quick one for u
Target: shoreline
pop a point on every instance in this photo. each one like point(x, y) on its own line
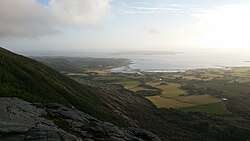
point(168, 70)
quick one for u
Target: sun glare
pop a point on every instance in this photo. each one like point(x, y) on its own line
point(226, 27)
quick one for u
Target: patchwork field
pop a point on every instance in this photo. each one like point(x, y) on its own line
point(172, 96)
point(199, 74)
point(160, 102)
point(198, 99)
point(183, 104)
point(182, 101)
point(169, 90)
point(131, 85)
point(199, 90)
point(98, 72)
point(213, 108)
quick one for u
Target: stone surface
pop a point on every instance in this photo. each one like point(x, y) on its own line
point(24, 121)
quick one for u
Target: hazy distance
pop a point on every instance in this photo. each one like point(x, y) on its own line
point(124, 25)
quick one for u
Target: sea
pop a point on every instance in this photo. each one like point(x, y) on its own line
point(168, 61)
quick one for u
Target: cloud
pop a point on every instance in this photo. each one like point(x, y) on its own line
point(153, 31)
point(24, 18)
point(31, 19)
point(148, 10)
point(155, 8)
point(79, 12)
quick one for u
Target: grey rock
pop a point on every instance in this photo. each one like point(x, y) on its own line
point(87, 139)
point(116, 139)
point(143, 134)
point(13, 138)
point(9, 130)
point(42, 134)
point(68, 137)
point(24, 121)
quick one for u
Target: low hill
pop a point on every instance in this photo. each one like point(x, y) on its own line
point(77, 64)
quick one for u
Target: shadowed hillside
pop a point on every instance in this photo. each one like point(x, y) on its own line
point(32, 81)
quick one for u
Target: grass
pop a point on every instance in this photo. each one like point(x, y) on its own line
point(232, 89)
point(169, 90)
point(240, 69)
point(243, 80)
point(101, 73)
point(172, 97)
point(111, 79)
point(182, 101)
point(131, 85)
point(190, 77)
point(198, 99)
point(32, 81)
point(160, 102)
point(213, 108)
point(199, 74)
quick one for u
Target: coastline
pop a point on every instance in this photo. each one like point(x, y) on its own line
point(128, 69)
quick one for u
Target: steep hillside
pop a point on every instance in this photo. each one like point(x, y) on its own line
point(32, 81)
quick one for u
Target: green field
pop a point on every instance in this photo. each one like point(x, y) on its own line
point(198, 90)
point(99, 72)
point(182, 101)
point(198, 99)
point(205, 109)
point(213, 108)
point(173, 97)
point(131, 85)
point(169, 90)
point(160, 102)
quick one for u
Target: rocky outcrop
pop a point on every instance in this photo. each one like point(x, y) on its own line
point(24, 121)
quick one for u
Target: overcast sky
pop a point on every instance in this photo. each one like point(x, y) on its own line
point(103, 25)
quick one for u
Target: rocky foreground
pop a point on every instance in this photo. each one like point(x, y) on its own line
point(24, 121)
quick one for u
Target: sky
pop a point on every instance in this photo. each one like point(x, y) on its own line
point(117, 25)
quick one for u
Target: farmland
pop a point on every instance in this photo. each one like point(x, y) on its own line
point(177, 105)
point(201, 90)
point(212, 91)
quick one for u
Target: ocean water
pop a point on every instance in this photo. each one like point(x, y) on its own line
point(154, 62)
point(185, 61)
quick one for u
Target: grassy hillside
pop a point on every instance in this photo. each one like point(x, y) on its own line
point(32, 81)
point(174, 125)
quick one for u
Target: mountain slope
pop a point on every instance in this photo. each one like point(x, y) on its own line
point(32, 81)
